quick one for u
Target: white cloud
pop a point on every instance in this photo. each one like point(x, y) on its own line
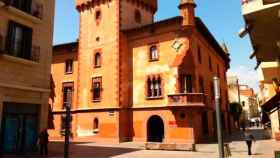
point(246, 75)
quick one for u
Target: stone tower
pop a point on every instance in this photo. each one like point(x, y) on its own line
point(101, 25)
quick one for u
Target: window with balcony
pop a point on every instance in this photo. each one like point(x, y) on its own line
point(210, 64)
point(153, 53)
point(201, 85)
point(96, 89)
point(154, 87)
point(69, 66)
point(19, 41)
point(212, 90)
point(31, 7)
point(218, 71)
point(186, 83)
point(199, 55)
point(67, 94)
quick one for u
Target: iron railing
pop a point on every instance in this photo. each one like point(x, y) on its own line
point(36, 7)
point(185, 99)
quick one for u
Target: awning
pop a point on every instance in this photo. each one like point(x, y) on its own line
point(272, 105)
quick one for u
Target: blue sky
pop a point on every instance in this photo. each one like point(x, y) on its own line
point(222, 17)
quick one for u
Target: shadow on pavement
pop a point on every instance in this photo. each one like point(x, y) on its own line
point(78, 150)
point(259, 134)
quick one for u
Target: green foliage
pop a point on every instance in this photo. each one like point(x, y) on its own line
point(235, 110)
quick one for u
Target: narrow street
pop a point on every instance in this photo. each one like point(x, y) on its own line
point(263, 148)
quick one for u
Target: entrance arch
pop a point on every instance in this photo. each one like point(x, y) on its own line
point(155, 129)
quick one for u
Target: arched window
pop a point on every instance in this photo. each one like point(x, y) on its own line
point(95, 125)
point(97, 16)
point(137, 16)
point(97, 60)
point(153, 53)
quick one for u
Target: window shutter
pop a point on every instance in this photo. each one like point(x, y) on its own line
point(10, 37)
point(27, 40)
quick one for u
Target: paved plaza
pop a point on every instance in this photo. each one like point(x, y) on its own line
point(263, 148)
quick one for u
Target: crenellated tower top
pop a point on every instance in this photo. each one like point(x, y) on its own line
point(150, 4)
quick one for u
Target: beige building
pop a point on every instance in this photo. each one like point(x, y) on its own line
point(269, 75)
point(26, 33)
point(244, 95)
point(263, 33)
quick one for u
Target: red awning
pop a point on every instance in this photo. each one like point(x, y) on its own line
point(272, 105)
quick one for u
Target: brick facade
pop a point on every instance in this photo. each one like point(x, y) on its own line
point(125, 110)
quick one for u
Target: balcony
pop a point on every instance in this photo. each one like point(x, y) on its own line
point(34, 13)
point(33, 58)
point(186, 100)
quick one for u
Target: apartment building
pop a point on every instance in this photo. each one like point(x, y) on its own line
point(26, 34)
point(133, 79)
point(269, 97)
point(244, 95)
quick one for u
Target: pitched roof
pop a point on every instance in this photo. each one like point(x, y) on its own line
point(72, 46)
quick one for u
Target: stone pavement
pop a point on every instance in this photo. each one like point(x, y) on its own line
point(263, 148)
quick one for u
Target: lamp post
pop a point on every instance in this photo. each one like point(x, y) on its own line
point(218, 116)
point(67, 123)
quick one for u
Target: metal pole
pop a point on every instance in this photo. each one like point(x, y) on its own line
point(67, 124)
point(238, 91)
point(218, 116)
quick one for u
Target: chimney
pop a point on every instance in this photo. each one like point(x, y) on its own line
point(187, 11)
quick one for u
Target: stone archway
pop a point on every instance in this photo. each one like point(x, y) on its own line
point(155, 129)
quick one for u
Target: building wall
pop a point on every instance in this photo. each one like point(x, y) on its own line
point(127, 15)
point(124, 109)
point(108, 34)
point(60, 77)
point(266, 73)
point(25, 81)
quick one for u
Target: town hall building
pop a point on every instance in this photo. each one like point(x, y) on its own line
point(134, 79)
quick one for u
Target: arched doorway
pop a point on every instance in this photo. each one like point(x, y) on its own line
point(155, 129)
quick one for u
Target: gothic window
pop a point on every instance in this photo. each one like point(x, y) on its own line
point(154, 87)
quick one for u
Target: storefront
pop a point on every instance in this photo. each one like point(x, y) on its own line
point(19, 129)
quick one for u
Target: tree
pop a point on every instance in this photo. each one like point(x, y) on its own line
point(236, 111)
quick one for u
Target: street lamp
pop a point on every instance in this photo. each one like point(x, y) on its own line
point(218, 116)
point(67, 123)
